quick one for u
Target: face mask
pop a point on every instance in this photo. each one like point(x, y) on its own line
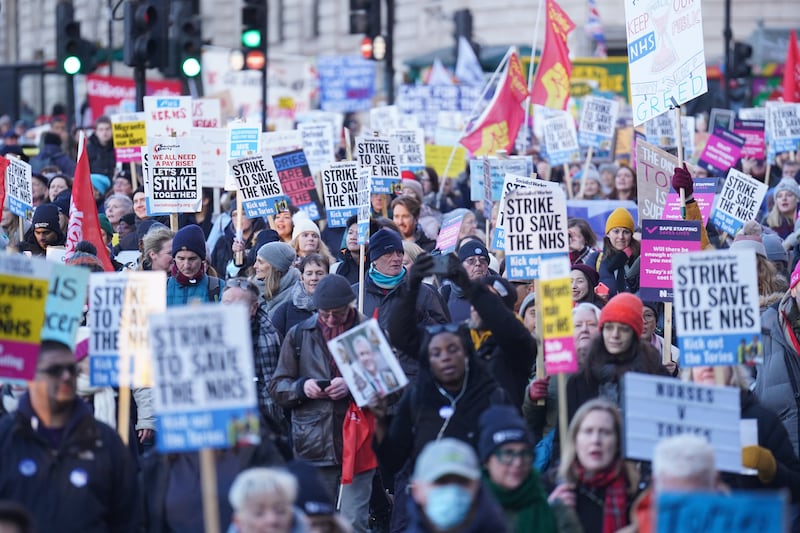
point(448, 505)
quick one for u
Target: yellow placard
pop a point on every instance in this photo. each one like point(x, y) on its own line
point(129, 134)
point(22, 308)
point(556, 296)
point(436, 156)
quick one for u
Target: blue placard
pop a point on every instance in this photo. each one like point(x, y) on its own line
point(525, 267)
point(346, 83)
point(738, 512)
point(226, 428)
point(596, 212)
point(498, 168)
point(66, 297)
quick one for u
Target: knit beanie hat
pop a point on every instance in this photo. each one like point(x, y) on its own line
point(278, 254)
point(787, 184)
point(62, 201)
point(264, 236)
point(146, 225)
point(749, 242)
point(105, 225)
point(384, 241)
point(100, 182)
point(84, 257)
point(620, 218)
point(82, 343)
point(414, 185)
point(46, 216)
point(590, 273)
point(528, 301)
point(500, 424)
point(333, 291)
point(303, 224)
point(190, 238)
point(625, 308)
point(773, 244)
point(472, 248)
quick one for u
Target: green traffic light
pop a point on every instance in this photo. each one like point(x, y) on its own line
point(251, 38)
point(190, 67)
point(72, 65)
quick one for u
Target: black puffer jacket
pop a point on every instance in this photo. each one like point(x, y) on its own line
point(102, 159)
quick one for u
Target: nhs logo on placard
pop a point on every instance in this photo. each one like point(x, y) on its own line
point(641, 47)
point(168, 102)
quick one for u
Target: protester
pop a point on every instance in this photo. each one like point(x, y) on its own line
point(140, 204)
point(581, 240)
point(116, 206)
point(100, 185)
point(506, 450)
point(229, 244)
point(157, 249)
point(312, 267)
point(188, 280)
point(41, 187)
point(58, 183)
point(309, 384)
point(650, 313)
point(429, 180)
point(624, 184)
point(618, 262)
point(284, 223)
point(592, 188)
point(783, 215)
point(100, 148)
point(306, 239)
point(122, 184)
point(474, 258)
point(51, 154)
point(314, 501)
point(72, 472)
point(351, 251)
point(273, 268)
point(527, 310)
point(447, 493)
point(584, 284)
point(45, 231)
point(405, 213)
point(596, 482)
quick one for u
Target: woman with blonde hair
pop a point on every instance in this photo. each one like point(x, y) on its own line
point(275, 273)
point(157, 249)
point(783, 215)
point(306, 239)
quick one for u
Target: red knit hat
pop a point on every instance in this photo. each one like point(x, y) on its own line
point(625, 308)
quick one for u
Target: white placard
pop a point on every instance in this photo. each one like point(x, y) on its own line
point(738, 201)
point(168, 116)
point(340, 187)
point(318, 144)
point(206, 113)
point(410, 148)
point(598, 122)
point(379, 154)
point(256, 177)
point(19, 187)
point(213, 162)
point(174, 172)
point(560, 139)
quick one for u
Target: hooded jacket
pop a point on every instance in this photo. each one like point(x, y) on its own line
point(102, 159)
point(88, 484)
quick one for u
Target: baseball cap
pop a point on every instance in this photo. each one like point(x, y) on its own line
point(446, 457)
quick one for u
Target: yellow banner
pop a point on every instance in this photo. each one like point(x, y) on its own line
point(436, 157)
point(22, 308)
point(129, 134)
point(556, 308)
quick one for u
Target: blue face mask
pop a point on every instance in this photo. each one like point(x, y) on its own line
point(448, 505)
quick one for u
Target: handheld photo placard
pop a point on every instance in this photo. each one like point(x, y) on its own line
point(367, 362)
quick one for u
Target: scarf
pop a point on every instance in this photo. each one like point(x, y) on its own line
point(383, 281)
point(301, 299)
point(615, 506)
point(102, 399)
point(329, 333)
point(528, 502)
point(182, 279)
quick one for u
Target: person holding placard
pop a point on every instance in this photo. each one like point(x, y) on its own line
point(351, 251)
point(594, 479)
point(772, 455)
point(284, 223)
point(188, 280)
point(71, 471)
point(308, 382)
point(226, 247)
point(618, 262)
point(405, 214)
point(306, 239)
point(100, 147)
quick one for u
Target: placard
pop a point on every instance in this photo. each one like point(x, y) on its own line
point(168, 116)
point(738, 201)
point(722, 151)
point(654, 169)
point(206, 113)
point(752, 131)
point(383, 119)
point(367, 362)
point(437, 157)
point(510, 182)
point(535, 221)
point(364, 192)
point(23, 285)
point(130, 135)
point(716, 307)
point(660, 130)
point(147, 181)
point(106, 297)
point(560, 139)
point(145, 295)
point(204, 394)
point(410, 148)
point(783, 126)
point(66, 296)
point(340, 188)
point(661, 239)
point(346, 83)
point(256, 177)
point(557, 325)
point(721, 118)
point(498, 167)
point(598, 120)
point(213, 162)
point(298, 183)
point(174, 171)
point(734, 512)
point(19, 187)
point(244, 139)
point(657, 407)
point(447, 239)
point(279, 142)
point(666, 56)
point(379, 154)
point(318, 144)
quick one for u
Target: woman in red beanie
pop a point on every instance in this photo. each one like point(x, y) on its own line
point(618, 349)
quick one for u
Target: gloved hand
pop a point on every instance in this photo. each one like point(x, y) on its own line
point(538, 389)
point(458, 275)
point(419, 270)
point(682, 179)
point(761, 459)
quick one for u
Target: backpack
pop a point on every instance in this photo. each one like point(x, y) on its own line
point(213, 289)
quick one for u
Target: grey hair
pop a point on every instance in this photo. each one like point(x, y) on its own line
point(126, 201)
point(586, 306)
point(259, 481)
point(686, 457)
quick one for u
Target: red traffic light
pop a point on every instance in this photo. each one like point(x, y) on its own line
point(366, 48)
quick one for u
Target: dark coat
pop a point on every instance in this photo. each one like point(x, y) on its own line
point(618, 272)
point(223, 251)
point(87, 484)
point(485, 516)
point(51, 154)
point(102, 159)
point(289, 313)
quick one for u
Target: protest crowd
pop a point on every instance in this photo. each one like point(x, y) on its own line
point(319, 330)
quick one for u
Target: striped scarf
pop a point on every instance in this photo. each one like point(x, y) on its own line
point(612, 479)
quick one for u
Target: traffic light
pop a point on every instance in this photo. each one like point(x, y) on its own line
point(146, 26)
point(463, 23)
point(365, 17)
point(185, 41)
point(74, 55)
point(254, 33)
point(740, 62)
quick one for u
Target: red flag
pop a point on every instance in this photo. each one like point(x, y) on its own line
point(357, 453)
point(83, 222)
point(551, 88)
point(497, 127)
point(791, 71)
point(3, 166)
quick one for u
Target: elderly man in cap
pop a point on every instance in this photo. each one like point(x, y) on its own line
point(447, 494)
point(388, 281)
point(188, 280)
point(474, 258)
point(308, 382)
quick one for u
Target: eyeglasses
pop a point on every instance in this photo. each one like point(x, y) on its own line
point(56, 371)
point(506, 457)
point(477, 260)
point(241, 283)
point(648, 316)
point(435, 329)
point(338, 313)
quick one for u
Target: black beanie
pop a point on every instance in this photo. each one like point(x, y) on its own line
point(500, 424)
point(46, 216)
point(384, 241)
point(190, 238)
point(333, 291)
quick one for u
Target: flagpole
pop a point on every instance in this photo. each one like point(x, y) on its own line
point(530, 69)
point(475, 108)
